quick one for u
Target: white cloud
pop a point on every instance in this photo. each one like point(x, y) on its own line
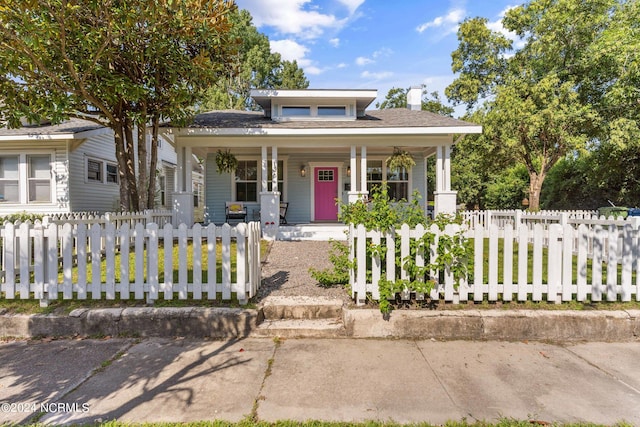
point(361, 60)
point(290, 50)
point(380, 53)
point(341, 65)
point(352, 5)
point(313, 70)
point(376, 76)
point(295, 17)
point(449, 22)
point(335, 42)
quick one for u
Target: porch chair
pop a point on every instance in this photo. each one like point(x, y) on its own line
point(283, 212)
point(235, 210)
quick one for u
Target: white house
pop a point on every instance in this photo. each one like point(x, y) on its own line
point(311, 147)
point(70, 167)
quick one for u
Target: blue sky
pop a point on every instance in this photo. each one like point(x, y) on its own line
point(371, 44)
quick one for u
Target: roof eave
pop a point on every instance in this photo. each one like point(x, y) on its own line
point(435, 130)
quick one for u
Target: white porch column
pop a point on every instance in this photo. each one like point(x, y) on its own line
point(358, 175)
point(263, 164)
point(274, 168)
point(182, 199)
point(270, 200)
point(363, 170)
point(445, 198)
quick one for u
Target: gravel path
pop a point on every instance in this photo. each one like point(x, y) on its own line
point(285, 272)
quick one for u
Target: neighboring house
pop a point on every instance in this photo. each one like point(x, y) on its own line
point(69, 167)
point(311, 147)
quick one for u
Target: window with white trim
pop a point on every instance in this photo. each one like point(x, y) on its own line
point(246, 181)
point(112, 173)
point(9, 179)
point(396, 180)
point(94, 170)
point(25, 178)
point(332, 111)
point(39, 188)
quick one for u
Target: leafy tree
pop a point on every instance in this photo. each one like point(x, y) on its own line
point(120, 64)
point(255, 66)
point(535, 98)
point(508, 189)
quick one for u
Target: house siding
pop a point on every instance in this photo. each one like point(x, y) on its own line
point(217, 191)
point(87, 195)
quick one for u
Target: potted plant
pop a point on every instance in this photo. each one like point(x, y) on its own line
point(400, 159)
point(225, 161)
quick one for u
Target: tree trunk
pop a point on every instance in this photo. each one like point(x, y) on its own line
point(122, 167)
point(535, 187)
point(153, 163)
point(134, 200)
point(143, 174)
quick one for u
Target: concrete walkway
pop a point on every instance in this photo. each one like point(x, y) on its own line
point(175, 380)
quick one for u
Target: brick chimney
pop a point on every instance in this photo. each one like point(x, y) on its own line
point(414, 98)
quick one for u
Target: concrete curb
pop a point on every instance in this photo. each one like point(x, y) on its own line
point(542, 325)
point(197, 322)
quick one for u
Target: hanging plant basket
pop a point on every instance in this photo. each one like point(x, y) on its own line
point(400, 159)
point(226, 162)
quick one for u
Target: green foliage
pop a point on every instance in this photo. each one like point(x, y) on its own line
point(339, 274)
point(22, 217)
point(115, 65)
point(381, 213)
point(226, 162)
point(571, 81)
point(400, 159)
point(453, 254)
point(507, 189)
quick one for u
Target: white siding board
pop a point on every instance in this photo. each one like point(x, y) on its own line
point(87, 195)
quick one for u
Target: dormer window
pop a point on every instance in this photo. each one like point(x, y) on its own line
point(332, 111)
point(296, 111)
point(313, 105)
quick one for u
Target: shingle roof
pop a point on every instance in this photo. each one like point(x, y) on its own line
point(71, 126)
point(390, 118)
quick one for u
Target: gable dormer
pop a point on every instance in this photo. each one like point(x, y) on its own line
point(313, 104)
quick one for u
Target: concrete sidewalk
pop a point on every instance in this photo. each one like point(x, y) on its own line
point(160, 379)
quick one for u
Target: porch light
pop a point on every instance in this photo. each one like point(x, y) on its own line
point(303, 171)
point(349, 171)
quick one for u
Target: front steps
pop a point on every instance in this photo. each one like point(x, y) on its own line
point(300, 317)
point(312, 232)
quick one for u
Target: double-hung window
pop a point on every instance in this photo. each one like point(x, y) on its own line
point(246, 181)
point(9, 179)
point(39, 189)
point(102, 171)
point(396, 180)
point(25, 178)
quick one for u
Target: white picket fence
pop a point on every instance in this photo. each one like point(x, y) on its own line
point(161, 217)
point(563, 273)
point(44, 261)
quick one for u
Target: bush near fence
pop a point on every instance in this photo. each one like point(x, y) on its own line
point(33, 255)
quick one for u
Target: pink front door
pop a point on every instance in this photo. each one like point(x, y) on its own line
point(326, 193)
